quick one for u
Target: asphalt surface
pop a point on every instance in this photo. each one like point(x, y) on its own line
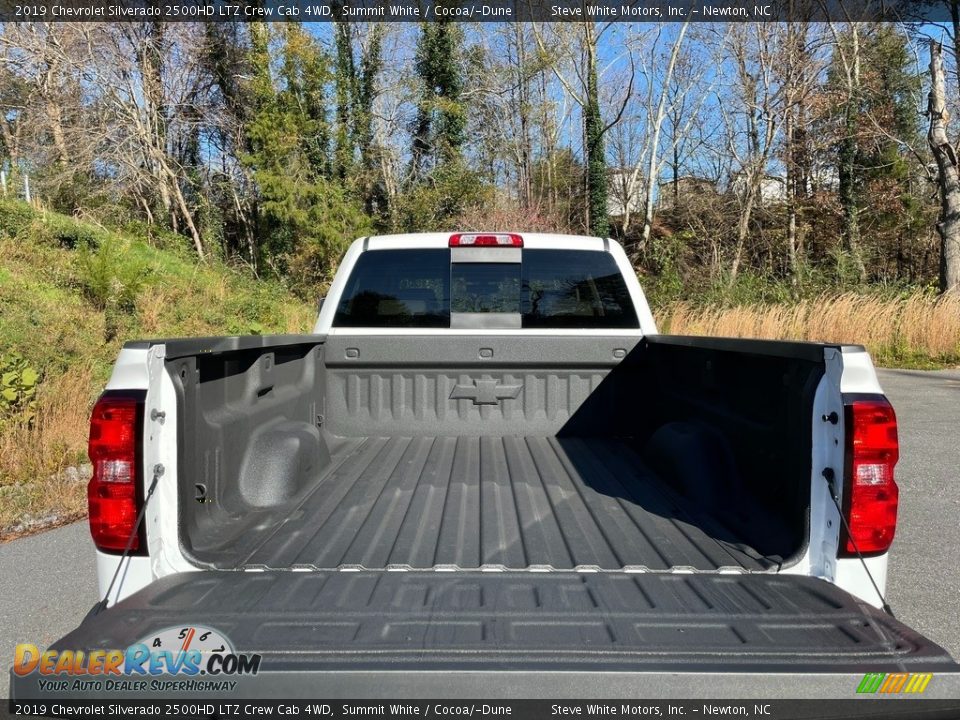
point(923, 586)
point(49, 580)
point(49, 584)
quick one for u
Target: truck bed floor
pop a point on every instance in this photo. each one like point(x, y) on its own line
point(512, 502)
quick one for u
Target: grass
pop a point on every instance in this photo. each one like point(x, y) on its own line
point(916, 331)
point(71, 294)
point(36, 488)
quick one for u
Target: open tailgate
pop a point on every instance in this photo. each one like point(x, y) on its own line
point(544, 634)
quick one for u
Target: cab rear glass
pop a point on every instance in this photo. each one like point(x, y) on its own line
point(549, 289)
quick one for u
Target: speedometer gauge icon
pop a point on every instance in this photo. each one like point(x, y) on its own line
point(183, 638)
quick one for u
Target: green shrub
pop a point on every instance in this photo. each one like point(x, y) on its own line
point(18, 388)
point(69, 233)
point(15, 217)
point(159, 237)
point(436, 200)
point(110, 276)
point(665, 282)
point(236, 327)
point(19, 220)
point(320, 220)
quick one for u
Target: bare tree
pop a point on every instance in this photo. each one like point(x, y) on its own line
point(752, 132)
point(521, 77)
point(122, 101)
point(796, 71)
point(658, 129)
point(847, 50)
point(585, 93)
point(44, 114)
point(146, 100)
point(948, 175)
point(656, 125)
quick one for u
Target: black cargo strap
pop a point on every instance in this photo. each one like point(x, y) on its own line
point(829, 477)
point(102, 605)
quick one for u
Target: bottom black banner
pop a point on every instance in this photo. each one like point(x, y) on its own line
point(766, 709)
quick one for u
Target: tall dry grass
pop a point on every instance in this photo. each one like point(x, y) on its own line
point(34, 456)
point(914, 329)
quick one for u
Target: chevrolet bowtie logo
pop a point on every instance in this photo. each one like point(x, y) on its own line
point(485, 392)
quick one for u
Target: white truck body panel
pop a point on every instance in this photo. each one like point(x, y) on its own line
point(143, 369)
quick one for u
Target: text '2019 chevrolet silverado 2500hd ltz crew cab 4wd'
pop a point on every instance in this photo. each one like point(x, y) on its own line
point(485, 469)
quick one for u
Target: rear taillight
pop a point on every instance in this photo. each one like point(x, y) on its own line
point(871, 496)
point(486, 240)
point(114, 489)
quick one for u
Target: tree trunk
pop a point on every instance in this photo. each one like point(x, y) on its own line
point(791, 193)
point(170, 180)
point(371, 63)
point(11, 144)
point(955, 21)
point(187, 217)
point(793, 91)
point(248, 234)
point(55, 118)
point(948, 175)
point(848, 156)
point(743, 224)
point(525, 169)
point(676, 176)
point(848, 192)
point(653, 167)
point(345, 81)
point(146, 208)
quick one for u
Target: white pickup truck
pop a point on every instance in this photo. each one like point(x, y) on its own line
point(486, 469)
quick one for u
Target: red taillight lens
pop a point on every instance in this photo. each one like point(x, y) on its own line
point(113, 489)
point(871, 495)
point(486, 240)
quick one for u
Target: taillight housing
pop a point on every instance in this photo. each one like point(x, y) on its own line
point(486, 240)
point(115, 492)
point(871, 494)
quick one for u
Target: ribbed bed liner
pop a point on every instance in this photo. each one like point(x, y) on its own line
point(607, 621)
point(510, 502)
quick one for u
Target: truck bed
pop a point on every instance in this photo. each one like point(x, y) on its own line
point(510, 502)
point(553, 453)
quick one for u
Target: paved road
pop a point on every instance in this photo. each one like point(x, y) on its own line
point(49, 582)
point(924, 582)
point(49, 585)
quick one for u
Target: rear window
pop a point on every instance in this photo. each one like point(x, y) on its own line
point(397, 288)
point(548, 289)
point(485, 287)
point(574, 289)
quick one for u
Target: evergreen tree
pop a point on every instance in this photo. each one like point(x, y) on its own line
point(309, 216)
point(439, 132)
point(355, 87)
point(876, 124)
point(596, 158)
point(345, 84)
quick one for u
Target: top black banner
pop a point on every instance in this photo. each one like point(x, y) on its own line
point(919, 11)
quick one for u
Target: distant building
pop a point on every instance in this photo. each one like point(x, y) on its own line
point(686, 187)
point(620, 195)
point(773, 188)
